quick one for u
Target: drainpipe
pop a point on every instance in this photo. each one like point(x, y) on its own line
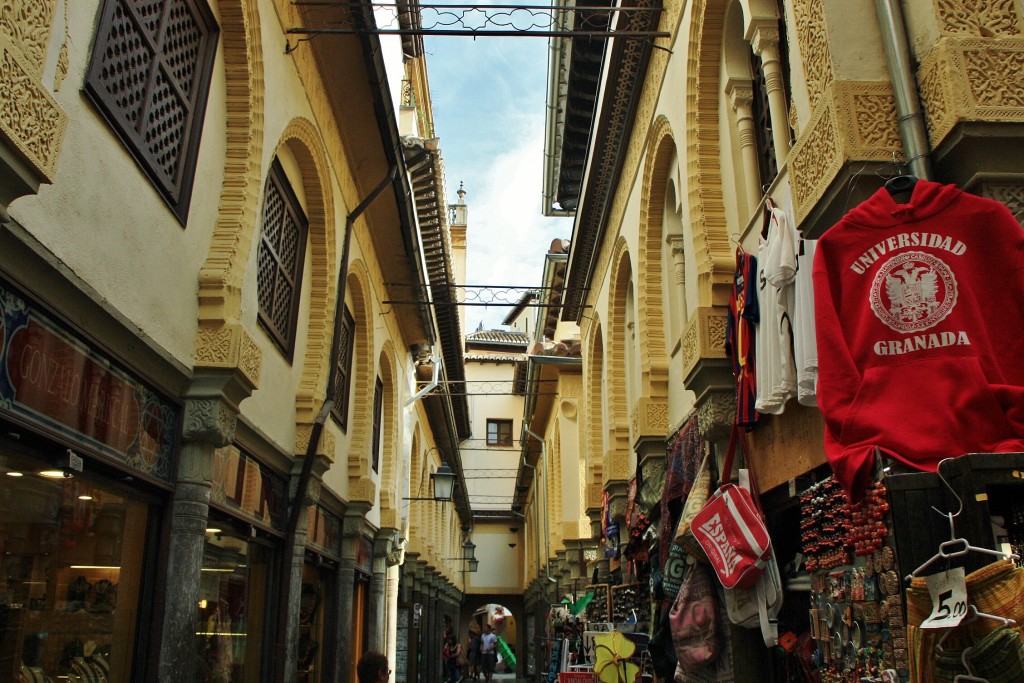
point(908, 107)
point(289, 593)
point(542, 490)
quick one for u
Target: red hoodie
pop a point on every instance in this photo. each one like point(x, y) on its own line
point(919, 313)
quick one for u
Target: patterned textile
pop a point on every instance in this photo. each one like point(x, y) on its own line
point(998, 658)
point(685, 453)
point(744, 314)
point(996, 589)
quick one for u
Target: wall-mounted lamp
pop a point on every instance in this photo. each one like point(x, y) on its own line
point(514, 530)
point(443, 481)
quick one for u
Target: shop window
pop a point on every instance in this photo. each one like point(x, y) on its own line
point(499, 432)
point(282, 253)
point(149, 77)
point(343, 368)
point(310, 661)
point(71, 560)
point(234, 603)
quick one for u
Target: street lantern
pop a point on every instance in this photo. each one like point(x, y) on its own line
point(443, 480)
point(469, 550)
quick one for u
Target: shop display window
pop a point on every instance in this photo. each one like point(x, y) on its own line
point(311, 624)
point(234, 603)
point(71, 561)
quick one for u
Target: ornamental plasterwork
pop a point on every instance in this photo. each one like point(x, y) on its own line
point(993, 18)
point(704, 337)
point(649, 417)
point(325, 448)
point(362, 489)
point(594, 492)
point(812, 40)
point(815, 160)
point(973, 79)
point(229, 346)
point(209, 420)
point(1010, 194)
point(850, 124)
point(715, 415)
point(30, 118)
point(26, 25)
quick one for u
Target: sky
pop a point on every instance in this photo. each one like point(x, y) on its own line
point(488, 96)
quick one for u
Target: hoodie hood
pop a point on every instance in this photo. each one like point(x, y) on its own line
point(881, 211)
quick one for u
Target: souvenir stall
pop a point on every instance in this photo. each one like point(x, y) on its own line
point(584, 635)
point(921, 390)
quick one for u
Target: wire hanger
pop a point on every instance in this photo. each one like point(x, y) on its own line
point(969, 676)
point(972, 615)
point(955, 546)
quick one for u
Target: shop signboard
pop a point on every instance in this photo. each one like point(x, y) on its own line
point(50, 376)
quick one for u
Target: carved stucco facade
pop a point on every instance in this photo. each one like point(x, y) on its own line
point(31, 121)
point(843, 115)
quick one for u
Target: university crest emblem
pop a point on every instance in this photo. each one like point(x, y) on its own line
point(913, 291)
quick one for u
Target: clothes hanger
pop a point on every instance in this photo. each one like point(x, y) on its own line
point(972, 615)
point(901, 188)
point(969, 676)
point(955, 546)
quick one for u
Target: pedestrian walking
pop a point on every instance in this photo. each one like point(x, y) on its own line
point(473, 649)
point(488, 651)
point(452, 653)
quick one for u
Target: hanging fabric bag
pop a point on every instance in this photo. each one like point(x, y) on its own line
point(730, 529)
point(693, 620)
point(697, 499)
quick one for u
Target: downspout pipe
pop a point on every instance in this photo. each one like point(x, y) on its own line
point(285, 663)
point(913, 133)
point(547, 531)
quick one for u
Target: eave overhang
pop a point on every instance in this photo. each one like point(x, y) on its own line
point(624, 73)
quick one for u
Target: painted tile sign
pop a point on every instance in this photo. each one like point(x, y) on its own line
point(53, 378)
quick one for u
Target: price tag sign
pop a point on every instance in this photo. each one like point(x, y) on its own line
point(949, 599)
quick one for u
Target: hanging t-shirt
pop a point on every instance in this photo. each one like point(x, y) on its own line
point(776, 369)
point(739, 337)
point(805, 349)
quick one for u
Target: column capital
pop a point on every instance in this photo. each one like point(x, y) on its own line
point(741, 96)
point(765, 42)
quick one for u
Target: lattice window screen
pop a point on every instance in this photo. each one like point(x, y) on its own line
point(280, 259)
point(342, 382)
point(149, 76)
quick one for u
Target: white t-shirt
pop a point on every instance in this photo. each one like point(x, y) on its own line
point(488, 642)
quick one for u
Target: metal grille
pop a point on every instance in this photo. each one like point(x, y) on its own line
point(280, 257)
point(149, 76)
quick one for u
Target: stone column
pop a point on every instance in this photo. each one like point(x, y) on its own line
point(741, 96)
point(210, 418)
point(393, 603)
point(766, 46)
point(382, 543)
point(677, 249)
point(294, 559)
point(351, 531)
point(434, 669)
point(419, 598)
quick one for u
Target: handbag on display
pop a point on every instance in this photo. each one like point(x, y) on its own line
point(697, 499)
point(758, 606)
point(693, 620)
point(730, 528)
